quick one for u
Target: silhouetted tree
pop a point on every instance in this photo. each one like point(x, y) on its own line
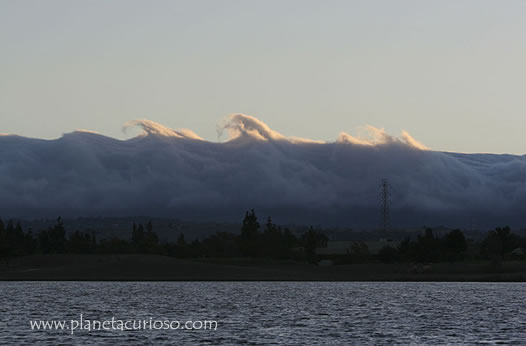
point(500, 242)
point(151, 240)
point(195, 249)
point(53, 240)
point(138, 237)
point(311, 240)
point(273, 242)
point(180, 240)
point(114, 246)
point(509, 240)
point(145, 242)
point(81, 243)
point(290, 239)
point(30, 243)
point(17, 241)
point(181, 247)
point(454, 245)
point(10, 234)
point(359, 251)
point(4, 245)
point(221, 244)
point(407, 250)
point(428, 247)
point(249, 235)
point(388, 254)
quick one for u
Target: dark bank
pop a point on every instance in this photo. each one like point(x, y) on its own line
point(268, 252)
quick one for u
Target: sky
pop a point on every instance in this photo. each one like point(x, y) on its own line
point(451, 73)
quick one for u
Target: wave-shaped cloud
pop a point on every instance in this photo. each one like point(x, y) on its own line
point(165, 172)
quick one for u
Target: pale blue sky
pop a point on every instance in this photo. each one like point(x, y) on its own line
point(451, 73)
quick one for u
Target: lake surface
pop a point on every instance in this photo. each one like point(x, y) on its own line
point(302, 313)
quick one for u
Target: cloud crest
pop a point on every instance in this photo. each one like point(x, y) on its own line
point(152, 128)
point(165, 172)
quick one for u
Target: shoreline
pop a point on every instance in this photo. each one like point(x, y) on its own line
point(134, 267)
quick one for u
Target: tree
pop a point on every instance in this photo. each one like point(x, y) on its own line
point(499, 242)
point(151, 240)
point(93, 240)
point(80, 242)
point(220, 244)
point(428, 247)
point(454, 245)
point(273, 241)
point(114, 246)
point(138, 237)
point(30, 244)
point(181, 248)
point(58, 236)
point(180, 240)
point(18, 240)
point(53, 240)
point(250, 226)
point(10, 235)
point(388, 254)
point(249, 235)
point(311, 240)
point(509, 240)
point(407, 250)
point(145, 242)
point(492, 247)
point(290, 239)
point(4, 245)
point(359, 251)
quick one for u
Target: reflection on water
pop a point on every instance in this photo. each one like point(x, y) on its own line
point(302, 313)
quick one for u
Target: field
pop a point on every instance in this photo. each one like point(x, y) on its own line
point(162, 268)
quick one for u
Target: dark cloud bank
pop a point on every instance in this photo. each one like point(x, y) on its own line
point(164, 172)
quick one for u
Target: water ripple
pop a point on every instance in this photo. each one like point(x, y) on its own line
point(271, 313)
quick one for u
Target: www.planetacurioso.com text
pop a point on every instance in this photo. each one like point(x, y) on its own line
point(83, 324)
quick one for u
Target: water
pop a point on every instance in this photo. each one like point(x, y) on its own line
point(302, 313)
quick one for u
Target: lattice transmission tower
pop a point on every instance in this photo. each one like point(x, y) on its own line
point(384, 194)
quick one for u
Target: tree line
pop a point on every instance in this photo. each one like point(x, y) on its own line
point(254, 240)
point(453, 246)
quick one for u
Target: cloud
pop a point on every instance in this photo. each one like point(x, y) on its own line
point(413, 142)
point(242, 126)
point(378, 136)
point(152, 128)
point(175, 173)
